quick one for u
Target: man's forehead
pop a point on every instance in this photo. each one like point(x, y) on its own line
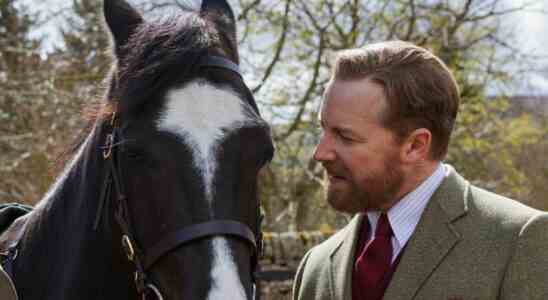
point(355, 96)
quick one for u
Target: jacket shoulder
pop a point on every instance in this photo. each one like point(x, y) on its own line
point(499, 209)
point(529, 263)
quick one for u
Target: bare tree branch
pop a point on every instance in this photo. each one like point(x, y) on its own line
point(311, 87)
point(412, 20)
point(279, 47)
point(246, 9)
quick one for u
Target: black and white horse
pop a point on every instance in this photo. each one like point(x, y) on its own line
point(160, 199)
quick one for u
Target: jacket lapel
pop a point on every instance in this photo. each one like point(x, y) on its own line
point(432, 240)
point(342, 260)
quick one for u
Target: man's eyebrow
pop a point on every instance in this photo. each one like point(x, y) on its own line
point(346, 130)
point(349, 132)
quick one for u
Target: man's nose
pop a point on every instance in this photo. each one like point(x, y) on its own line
point(324, 150)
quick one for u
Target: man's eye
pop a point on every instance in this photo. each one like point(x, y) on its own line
point(345, 138)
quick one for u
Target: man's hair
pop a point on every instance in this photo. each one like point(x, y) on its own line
point(420, 90)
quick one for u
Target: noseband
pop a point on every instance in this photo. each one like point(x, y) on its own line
point(144, 259)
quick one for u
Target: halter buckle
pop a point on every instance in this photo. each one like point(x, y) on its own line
point(107, 149)
point(128, 247)
point(113, 118)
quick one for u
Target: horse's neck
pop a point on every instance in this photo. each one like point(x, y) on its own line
point(60, 250)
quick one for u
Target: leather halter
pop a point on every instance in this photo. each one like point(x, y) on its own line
point(144, 259)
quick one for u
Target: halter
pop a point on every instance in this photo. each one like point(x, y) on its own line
point(144, 259)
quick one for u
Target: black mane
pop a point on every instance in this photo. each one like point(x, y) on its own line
point(159, 53)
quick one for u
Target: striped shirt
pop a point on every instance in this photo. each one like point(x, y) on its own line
point(405, 215)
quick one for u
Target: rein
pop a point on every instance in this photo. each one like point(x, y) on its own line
point(144, 259)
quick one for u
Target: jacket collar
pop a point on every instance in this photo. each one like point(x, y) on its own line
point(432, 240)
point(434, 237)
point(342, 259)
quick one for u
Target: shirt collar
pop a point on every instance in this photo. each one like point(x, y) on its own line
point(405, 215)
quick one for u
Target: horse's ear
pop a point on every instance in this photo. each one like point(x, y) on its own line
point(122, 20)
point(220, 12)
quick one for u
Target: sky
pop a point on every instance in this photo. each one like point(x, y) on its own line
point(531, 28)
point(532, 35)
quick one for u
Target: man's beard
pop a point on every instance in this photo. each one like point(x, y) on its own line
point(377, 191)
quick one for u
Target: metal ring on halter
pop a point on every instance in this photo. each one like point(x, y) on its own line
point(156, 291)
point(107, 150)
point(128, 247)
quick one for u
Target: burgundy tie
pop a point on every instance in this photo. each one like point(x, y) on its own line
point(374, 263)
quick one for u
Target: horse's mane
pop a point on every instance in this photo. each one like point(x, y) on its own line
point(157, 53)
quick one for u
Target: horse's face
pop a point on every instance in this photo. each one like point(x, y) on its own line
point(193, 144)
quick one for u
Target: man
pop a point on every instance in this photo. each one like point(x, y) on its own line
point(421, 231)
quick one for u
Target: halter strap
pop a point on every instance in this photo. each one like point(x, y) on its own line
point(223, 63)
point(220, 62)
point(194, 232)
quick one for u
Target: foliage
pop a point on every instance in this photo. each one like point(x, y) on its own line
point(43, 94)
point(22, 106)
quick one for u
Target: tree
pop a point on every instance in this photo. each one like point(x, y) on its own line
point(43, 94)
point(84, 51)
point(22, 96)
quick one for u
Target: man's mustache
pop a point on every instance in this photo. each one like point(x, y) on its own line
point(333, 169)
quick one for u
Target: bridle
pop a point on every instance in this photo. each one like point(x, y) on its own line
point(144, 259)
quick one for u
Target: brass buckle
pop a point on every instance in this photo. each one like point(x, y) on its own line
point(107, 150)
point(128, 247)
point(113, 118)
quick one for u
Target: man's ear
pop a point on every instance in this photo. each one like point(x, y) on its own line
point(417, 145)
point(122, 20)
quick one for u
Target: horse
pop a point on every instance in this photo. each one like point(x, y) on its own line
point(159, 200)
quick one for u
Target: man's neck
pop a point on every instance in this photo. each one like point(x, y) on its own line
point(413, 177)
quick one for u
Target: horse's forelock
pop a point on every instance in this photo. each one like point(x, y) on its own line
point(154, 48)
point(160, 53)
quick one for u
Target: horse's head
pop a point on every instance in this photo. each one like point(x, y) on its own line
point(188, 148)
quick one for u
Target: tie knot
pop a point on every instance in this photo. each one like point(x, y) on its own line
point(383, 227)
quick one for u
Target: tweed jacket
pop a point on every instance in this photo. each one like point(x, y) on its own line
point(469, 244)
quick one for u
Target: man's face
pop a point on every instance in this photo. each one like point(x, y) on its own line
point(361, 157)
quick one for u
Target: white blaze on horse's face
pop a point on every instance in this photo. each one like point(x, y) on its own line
point(202, 115)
